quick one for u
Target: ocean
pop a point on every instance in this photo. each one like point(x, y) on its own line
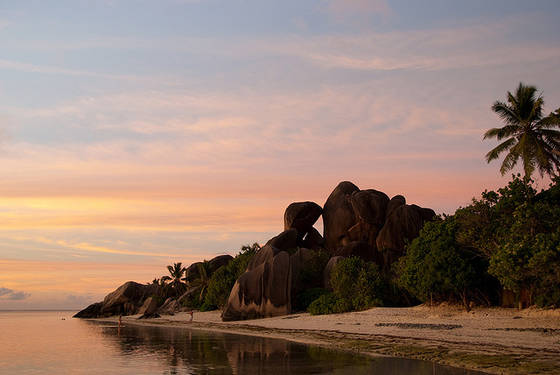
point(52, 342)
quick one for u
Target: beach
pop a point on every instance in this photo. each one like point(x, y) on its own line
point(493, 340)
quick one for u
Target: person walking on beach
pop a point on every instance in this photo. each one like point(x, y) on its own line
point(191, 318)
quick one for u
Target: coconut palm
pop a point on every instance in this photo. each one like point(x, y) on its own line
point(176, 271)
point(528, 135)
point(164, 287)
point(202, 279)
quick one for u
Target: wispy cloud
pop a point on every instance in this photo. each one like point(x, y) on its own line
point(477, 44)
point(12, 295)
point(54, 70)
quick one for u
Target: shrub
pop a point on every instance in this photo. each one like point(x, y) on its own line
point(223, 279)
point(312, 273)
point(328, 304)
point(517, 231)
point(357, 285)
point(528, 255)
point(436, 267)
point(304, 299)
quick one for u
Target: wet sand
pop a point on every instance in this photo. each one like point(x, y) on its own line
point(494, 340)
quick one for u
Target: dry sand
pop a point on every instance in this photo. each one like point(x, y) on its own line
point(494, 340)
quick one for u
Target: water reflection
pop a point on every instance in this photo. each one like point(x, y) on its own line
point(187, 351)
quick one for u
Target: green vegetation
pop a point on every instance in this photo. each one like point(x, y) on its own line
point(357, 285)
point(222, 280)
point(302, 301)
point(308, 286)
point(176, 271)
point(437, 267)
point(529, 136)
point(508, 240)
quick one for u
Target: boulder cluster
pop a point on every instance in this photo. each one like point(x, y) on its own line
point(363, 223)
point(133, 298)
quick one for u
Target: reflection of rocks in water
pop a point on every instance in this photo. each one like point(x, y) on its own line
point(191, 351)
point(247, 355)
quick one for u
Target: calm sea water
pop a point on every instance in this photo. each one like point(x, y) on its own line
point(51, 342)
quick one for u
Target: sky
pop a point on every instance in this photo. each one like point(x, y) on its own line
point(136, 133)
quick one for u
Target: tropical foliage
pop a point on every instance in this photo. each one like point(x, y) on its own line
point(509, 240)
point(437, 267)
point(176, 271)
point(222, 280)
point(357, 285)
point(527, 134)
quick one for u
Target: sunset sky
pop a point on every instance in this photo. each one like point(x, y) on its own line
point(137, 133)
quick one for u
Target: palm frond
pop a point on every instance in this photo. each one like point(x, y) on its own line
point(509, 162)
point(527, 145)
point(550, 121)
point(496, 151)
point(501, 133)
point(536, 110)
point(550, 134)
point(506, 113)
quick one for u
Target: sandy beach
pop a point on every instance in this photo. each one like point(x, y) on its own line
point(493, 340)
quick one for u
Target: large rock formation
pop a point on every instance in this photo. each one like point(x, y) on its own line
point(359, 249)
point(149, 307)
point(369, 208)
point(301, 216)
point(193, 271)
point(338, 215)
point(364, 223)
point(133, 298)
point(264, 289)
point(92, 311)
point(313, 240)
point(125, 300)
point(367, 224)
point(278, 271)
point(403, 225)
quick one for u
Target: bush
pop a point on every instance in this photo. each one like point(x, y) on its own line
point(528, 255)
point(221, 282)
point(517, 231)
point(302, 301)
point(328, 304)
point(357, 285)
point(312, 273)
point(436, 267)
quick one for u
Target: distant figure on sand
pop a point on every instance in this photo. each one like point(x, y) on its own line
point(191, 314)
point(120, 321)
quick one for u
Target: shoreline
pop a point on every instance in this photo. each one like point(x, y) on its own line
point(492, 340)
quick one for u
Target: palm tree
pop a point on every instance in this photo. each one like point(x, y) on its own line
point(163, 290)
point(176, 271)
point(201, 282)
point(529, 136)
